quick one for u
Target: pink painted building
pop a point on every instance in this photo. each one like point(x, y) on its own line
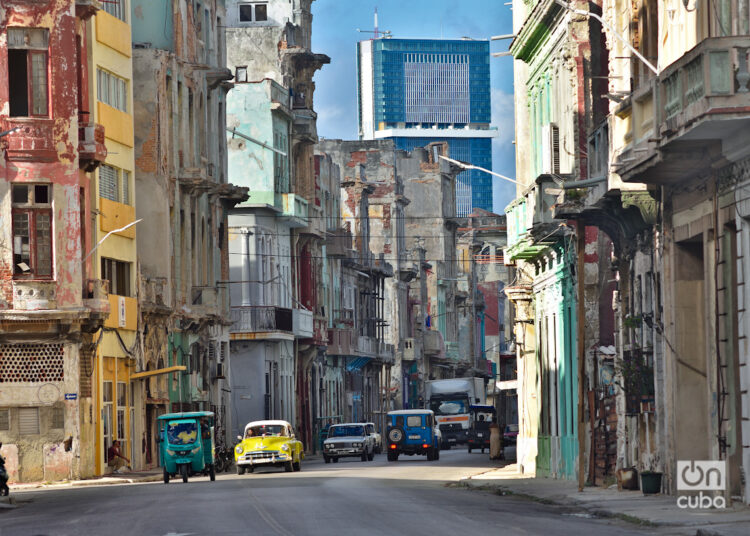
point(49, 308)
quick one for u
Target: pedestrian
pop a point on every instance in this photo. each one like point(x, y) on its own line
point(115, 458)
point(496, 441)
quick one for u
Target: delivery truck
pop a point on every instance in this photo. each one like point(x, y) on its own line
point(450, 400)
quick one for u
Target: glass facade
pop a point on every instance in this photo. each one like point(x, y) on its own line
point(429, 83)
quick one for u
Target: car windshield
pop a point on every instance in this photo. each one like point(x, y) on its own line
point(265, 430)
point(343, 431)
point(182, 432)
point(449, 407)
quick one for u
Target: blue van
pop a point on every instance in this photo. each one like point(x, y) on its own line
point(412, 431)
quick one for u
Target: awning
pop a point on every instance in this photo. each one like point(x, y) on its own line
point(357, 363)
point(508, 385)
point(149, 373)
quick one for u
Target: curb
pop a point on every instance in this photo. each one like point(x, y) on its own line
point(105, 481)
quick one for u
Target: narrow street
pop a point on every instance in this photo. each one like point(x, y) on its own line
point(348, 498)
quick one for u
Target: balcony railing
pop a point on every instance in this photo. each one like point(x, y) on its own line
point(303, 323)
point(531, 211)
point(691, 100)
point(489, 259)
point(367, 345)
point(344, 316)
point(295, 210)
point(33, 142)
point(262, 318)
point(339, 243)
point(340, 342)
point(433, 343)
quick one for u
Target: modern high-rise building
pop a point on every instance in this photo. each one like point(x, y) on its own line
point(418, 91)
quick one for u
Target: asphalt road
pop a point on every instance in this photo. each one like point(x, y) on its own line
point(410, 497)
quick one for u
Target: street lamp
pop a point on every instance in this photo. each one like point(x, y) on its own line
point(464, 165)
point(121, 229)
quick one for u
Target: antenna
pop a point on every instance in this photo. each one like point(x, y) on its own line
point(376, 32)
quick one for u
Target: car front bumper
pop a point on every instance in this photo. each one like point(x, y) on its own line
point(343, 452)
point(255, 458)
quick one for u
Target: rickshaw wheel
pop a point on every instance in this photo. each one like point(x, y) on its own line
point(184, 472)
point(166, 476)
point(212, 473)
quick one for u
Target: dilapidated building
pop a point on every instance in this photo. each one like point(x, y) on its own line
point(51, 305)
point(183, 197)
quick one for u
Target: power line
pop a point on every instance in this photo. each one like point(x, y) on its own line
point(375, 256)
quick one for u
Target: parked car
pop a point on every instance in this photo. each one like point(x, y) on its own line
point(510, 434)
point(348, 440)
point(268, 443)
point(413, 431)
point(376, 438)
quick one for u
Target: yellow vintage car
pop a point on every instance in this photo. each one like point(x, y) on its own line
point(268, 443)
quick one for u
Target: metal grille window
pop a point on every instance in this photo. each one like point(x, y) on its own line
point(57, 422)
point(27, 72)
point(112, 90)
point(32, 231)
point(116, 8)
point(28, 421)
point(31, 363)
point(4, 420)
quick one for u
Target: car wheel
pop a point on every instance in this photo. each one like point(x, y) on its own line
point(364, 456)
point(326, 459)
point(482, 450)
point(437, 453)
point(392, 456)
point(469, 449)
point(431, 454)
point(289, 467)
point(212, 473)
point(240, 470)
point(335, 460)
point(371, 456)
point(166, 476)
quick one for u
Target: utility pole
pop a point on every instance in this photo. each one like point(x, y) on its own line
point(581, 350)
point(422, 361)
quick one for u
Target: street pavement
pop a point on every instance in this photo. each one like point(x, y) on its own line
point(410, 497)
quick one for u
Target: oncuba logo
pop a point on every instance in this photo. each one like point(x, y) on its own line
point(700, 476)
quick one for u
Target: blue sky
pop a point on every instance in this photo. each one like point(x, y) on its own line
point(335, 24)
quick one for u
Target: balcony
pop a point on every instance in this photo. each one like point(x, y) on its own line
point(294, 210)
point(340, 342)
point(410, 351)
point(367, 346)
point(531, 222)
point(205, 300)
point(261, 322)
point(96, 295)
point(693, 114)
point(343, 317)
point(33, 142)
point(385, 352)
point(338, 243)
point(34, 295)
point(302, 320)
point(91, 148)
point(433, 343)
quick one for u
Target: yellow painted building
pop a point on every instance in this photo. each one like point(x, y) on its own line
point(115, 413)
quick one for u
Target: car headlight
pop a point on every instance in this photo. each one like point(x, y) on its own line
point(356, 445)
point(328, 445)
point(171, 452)
point(195, 450)
point(238, 449)
point(285, 447)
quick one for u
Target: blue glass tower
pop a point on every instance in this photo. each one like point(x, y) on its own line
point(418, 91)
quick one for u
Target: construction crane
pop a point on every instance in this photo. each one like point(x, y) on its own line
point(386, 33)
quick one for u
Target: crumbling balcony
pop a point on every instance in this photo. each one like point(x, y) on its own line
point(303, 323)
point(531, 221)
point(91, 148)
point(96, 295)
point(34, 141)
point(339, 243)
point(340, 342)
point(261, 322)
point(433, 343)
point(692, 115)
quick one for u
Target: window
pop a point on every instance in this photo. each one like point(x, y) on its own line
point(114, 184)
point(32, 230)
point(28, 421)
point(118, 275)
point(414, 421)
point(240, 74)
point(112, 90)
point(253, 12)
point(4, 420)
point(116, 8)
point(27, 71)
point(58, 418)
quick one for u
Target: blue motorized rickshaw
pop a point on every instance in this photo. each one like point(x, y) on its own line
point(186, 444)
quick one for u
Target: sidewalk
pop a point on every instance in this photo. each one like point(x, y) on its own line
point(153, 475)
point(633, 506)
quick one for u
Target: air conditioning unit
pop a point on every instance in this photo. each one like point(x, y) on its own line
point(550, 149)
